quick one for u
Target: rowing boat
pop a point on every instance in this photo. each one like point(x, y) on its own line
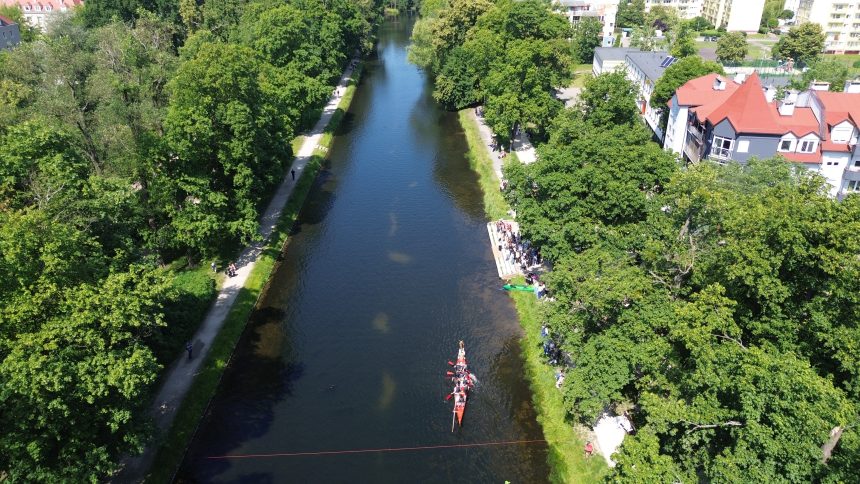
point(462, 384)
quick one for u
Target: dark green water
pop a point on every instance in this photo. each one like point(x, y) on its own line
point(388, 267)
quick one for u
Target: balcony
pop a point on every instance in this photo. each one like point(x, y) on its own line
point(695, 132)
point(693, 149)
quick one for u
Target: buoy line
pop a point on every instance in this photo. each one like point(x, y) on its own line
point(366, 451)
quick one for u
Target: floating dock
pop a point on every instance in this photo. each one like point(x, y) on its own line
point(506, 269)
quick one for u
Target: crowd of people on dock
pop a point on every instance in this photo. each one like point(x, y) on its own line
point(516, 250)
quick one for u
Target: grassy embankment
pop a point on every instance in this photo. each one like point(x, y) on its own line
point(172, 447)
point(566, 456)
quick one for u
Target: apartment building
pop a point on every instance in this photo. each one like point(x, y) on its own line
point(643, 69)
point(734, 15)
point(840, 21)
point(722, 119)
point(603, 10)
point(38, 12)
point(687, 9)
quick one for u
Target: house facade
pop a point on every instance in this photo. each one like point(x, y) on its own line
point(643, 69)
point(10, 34)
point(724, 120)
point(38, 12)
point(840, 21)
point(603, 10)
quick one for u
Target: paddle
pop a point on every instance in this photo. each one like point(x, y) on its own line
point(449, 396)
point(451, 363)
point(453, 419)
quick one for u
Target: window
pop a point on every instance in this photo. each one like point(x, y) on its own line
point(743, 146)
point(806, 147)
point(785, 145)
point(853, 186)
point(721, 147)
point(857, 162)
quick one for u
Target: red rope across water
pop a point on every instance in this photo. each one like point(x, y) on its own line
point(365, 451)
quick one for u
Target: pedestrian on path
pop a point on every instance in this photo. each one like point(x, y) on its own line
point(213, 266)
point(293, 174)
point(189, 348)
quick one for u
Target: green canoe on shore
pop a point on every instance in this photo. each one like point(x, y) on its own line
point(518, 287)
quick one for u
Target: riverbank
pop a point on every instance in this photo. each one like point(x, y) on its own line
point(566, 456)
point(310, 152)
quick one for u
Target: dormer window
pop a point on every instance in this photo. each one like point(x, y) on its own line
point(807, 146)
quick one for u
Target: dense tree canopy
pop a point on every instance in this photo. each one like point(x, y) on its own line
point(732, 47)
point(828, 70)
point(803, 43)
point(510, 56)
point(718, 303)
point(132, 135)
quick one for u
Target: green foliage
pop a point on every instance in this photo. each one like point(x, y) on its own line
point(663, 18)
point(701, 24)
point(803, 43)
point(631, 14)
point(785, 15)
point(719, 302)
point(732, 47)
point(119, 153)
point(587, 35)
point(677, 74)
point(683, 42)
point(509, 56)
point(827, 70)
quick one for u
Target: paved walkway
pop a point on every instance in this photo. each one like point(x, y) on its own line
point(181, 373)
point(522, 145)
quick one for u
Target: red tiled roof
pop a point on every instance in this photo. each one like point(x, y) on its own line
point(801, 123)
point(831, 146)
point(748, 110)
point(700, 91)
point(840, 106)
point(808, 158)
point(6, 21)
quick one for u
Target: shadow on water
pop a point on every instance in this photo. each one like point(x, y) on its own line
point(386, 269)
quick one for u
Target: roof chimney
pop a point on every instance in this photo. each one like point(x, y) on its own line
point(719, 84)
point(819, 86)
point(740, 77)
point(852, 86)
point(769, 93)
point(786, 108)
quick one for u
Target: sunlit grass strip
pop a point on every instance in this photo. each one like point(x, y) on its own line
point(172, 448)
point(566, 448)
point(494, 203)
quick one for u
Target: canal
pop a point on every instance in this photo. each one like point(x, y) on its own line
point(387, 268)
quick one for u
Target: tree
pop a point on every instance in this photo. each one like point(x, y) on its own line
point(644, 39)
point(827, 70)
point(587, 35)
point(608, 100)
point(677, 74)
point(732, 47)
point(101, 12)
point(785, 15)
point(228, 143)
point(701, 23)
point(28, 32)
point(683, 44)
point(803, 43)
point(631, 14)
point(75, 384)
point(662, 18)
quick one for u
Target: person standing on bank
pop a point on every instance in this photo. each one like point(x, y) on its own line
point(293, 174)
point(189, 348)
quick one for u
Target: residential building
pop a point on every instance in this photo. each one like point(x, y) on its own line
point(839, 19)
point(10, 34)
point(734, 15)
point(792, 5)
point(722, 119)
point(687, 9)
point(38, 12)
point(602, 10)
point(643, 69)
